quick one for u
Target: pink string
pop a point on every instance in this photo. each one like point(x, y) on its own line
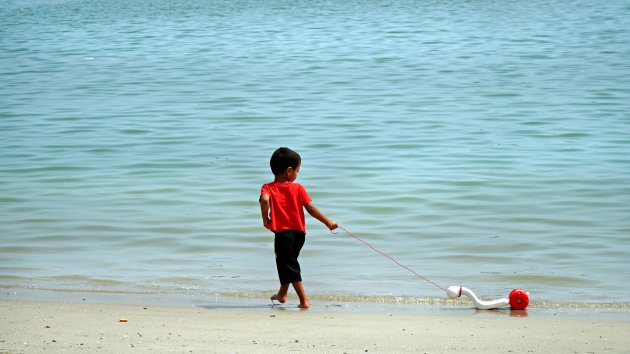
point(388, 256)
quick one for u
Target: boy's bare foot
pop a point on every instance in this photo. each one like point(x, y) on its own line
point(299, 289)
point(280, 299)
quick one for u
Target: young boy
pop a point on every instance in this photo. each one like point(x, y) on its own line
point(282, 205)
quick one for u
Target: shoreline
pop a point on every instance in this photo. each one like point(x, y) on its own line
point(342, 304)
point(43, 326)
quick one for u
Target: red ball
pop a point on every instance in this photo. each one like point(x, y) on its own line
point(518, 299)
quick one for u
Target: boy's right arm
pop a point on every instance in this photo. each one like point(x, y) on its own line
point(264, 209)
point(314, 212)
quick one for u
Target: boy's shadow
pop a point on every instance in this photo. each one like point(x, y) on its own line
point(236, 307)
point(277, 307)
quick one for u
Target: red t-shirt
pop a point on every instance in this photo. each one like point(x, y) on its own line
point(286, 204)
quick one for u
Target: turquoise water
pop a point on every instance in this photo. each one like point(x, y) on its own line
point(480, 143)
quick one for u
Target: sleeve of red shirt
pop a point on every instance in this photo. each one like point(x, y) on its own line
point(304, 195)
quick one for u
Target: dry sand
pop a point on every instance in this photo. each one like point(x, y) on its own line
point(50, 327)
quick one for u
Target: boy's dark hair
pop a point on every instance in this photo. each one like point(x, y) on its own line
point(282, 159)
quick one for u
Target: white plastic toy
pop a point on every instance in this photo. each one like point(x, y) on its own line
point(518, 298)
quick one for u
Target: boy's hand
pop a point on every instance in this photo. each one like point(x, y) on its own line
point(266, 222)
point(331, 225)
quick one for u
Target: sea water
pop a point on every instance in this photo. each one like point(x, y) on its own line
point(479, 143)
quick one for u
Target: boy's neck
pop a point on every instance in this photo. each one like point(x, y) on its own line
point(281, 179)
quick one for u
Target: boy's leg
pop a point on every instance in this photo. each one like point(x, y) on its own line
point(299, 289)
point(287, 246)
point(281, 295)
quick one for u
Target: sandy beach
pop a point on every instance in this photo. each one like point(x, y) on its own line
point(45, 327)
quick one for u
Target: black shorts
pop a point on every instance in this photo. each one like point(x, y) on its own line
point(287, 245)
